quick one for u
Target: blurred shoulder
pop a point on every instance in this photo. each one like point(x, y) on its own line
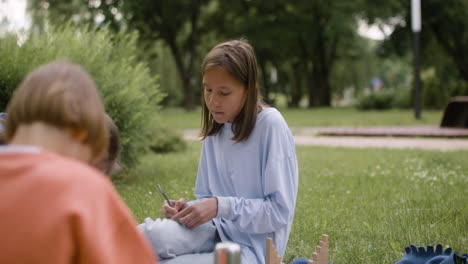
point(270, 116)
point(62, 172)
point(82, 187)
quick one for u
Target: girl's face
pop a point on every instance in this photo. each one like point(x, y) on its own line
point(224, 95)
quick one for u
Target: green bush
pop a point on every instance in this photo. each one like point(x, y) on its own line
point(403, 98)
point(439, 85)
point(11, 68)
point(376, 101)
point(130, 93)
point(436, 92)
point(166, 140)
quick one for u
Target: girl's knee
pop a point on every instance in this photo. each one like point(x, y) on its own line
point(163, 236)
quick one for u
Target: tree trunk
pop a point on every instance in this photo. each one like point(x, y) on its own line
point(319, 86)
point(296, 86)
point(266, 85)
point(454, 47)
point(192, 42)
point(189, 98)
point(319, 81)
point(186, 70)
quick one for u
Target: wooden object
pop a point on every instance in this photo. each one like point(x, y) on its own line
point(272, 256)
point(320, 256)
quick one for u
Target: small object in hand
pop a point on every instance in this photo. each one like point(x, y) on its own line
point(165, 196)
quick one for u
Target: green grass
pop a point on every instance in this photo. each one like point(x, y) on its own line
point(319, 117)
point(371, 202)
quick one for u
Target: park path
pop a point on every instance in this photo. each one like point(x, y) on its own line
point(310, 137)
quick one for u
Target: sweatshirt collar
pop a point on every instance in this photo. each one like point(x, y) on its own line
point(19, 149)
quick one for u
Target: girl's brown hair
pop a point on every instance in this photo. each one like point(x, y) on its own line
point(237, 57)
point(63, 95)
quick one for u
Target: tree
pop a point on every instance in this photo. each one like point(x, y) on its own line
point(447, 21)
point(443, 42)
point(58, 12)
point(261, 23)
point(130, 92)
point(306, 35)
point(179, 24)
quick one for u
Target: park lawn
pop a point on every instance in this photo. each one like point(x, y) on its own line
point(371, 202)
point(318, 117)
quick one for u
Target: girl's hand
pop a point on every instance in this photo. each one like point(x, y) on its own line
point(169, 212)
point(198, 213)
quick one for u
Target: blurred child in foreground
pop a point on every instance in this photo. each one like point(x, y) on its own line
point(108, 164)
point(54, 207)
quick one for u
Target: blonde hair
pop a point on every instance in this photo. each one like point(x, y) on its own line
point(63, 95)
point(237, 57)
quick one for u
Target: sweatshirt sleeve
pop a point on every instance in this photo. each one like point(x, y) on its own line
point(280, 182)
point(274, 211)
point(202, 189)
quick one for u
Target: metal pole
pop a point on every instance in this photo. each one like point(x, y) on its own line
point(416, 27)
point(417, 79)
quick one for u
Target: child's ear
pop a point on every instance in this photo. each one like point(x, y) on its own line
point(79, 134)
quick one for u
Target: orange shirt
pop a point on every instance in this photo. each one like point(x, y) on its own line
point(57, 210)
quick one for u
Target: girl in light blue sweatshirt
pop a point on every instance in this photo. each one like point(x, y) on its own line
point(247, 177)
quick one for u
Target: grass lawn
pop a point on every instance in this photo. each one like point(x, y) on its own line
point(319, 117)
point(371, 202)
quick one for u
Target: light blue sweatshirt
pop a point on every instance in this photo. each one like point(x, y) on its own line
point(255, 182)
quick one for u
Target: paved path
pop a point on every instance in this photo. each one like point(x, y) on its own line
point(382, 131)
point(310, 137)
point(384, 142)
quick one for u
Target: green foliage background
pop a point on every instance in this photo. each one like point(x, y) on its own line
point(130, 93)
point(311, 48)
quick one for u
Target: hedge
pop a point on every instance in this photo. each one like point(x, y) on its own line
point(130, 93)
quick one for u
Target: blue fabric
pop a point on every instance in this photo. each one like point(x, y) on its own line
point(169, 239)
point(255, 182)
point(419, 255)
point(202, 258)
point(3, 116)
point(300, 261)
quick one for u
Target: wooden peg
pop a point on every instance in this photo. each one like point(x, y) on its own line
point(272, 256)
point(320, 256)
